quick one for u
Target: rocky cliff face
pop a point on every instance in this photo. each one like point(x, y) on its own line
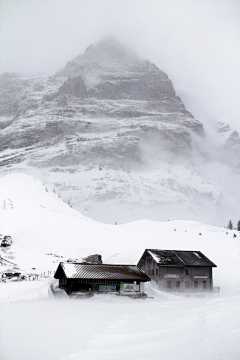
point(109, 128)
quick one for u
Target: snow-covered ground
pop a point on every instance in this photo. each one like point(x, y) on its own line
point(110, 327)
point(35, 325)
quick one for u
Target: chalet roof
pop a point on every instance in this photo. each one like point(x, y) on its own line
point(180, 258)
point(101, 272)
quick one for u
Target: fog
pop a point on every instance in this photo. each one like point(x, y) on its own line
point(195, 42)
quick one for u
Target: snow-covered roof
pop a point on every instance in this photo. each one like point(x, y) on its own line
point(178, 258)
point(101, 271)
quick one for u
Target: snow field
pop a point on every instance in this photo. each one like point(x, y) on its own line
point(41, 223)
point(111, 327)
point(34, 325)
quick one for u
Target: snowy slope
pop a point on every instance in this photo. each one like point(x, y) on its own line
point(107, 327)
point(41, 223)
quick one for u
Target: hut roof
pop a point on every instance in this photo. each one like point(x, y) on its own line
point(180, 258)
point(101, 271)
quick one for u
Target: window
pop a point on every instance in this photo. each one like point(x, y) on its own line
point(186, 272)
point(178, 284)
point(186, 284)
point(204, 284)
point(147, 260)
point(156, 271)
point(150, 260)
point(152, 271)
point(169, 284)
point(195, 284)
point(149, 271)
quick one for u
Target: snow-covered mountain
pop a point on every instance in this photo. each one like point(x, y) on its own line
point(109, 133)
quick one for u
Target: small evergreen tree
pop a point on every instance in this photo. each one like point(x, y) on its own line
point(238, 226)
point(230, 225)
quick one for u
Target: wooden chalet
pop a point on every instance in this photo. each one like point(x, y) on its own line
point(77, 278)
point(177, 270)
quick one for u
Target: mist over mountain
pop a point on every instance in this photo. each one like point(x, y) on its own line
point(111, 136)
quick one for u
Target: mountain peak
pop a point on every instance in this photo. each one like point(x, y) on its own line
point(110, 49)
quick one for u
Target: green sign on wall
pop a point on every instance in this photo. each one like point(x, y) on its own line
point(126, 287)
point(107, 287)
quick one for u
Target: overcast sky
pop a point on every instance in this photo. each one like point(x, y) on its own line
point(196, 42)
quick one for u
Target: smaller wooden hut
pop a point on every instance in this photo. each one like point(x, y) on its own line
point(100, 278)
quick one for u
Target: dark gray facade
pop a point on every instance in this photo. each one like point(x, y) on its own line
point(178, 271)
